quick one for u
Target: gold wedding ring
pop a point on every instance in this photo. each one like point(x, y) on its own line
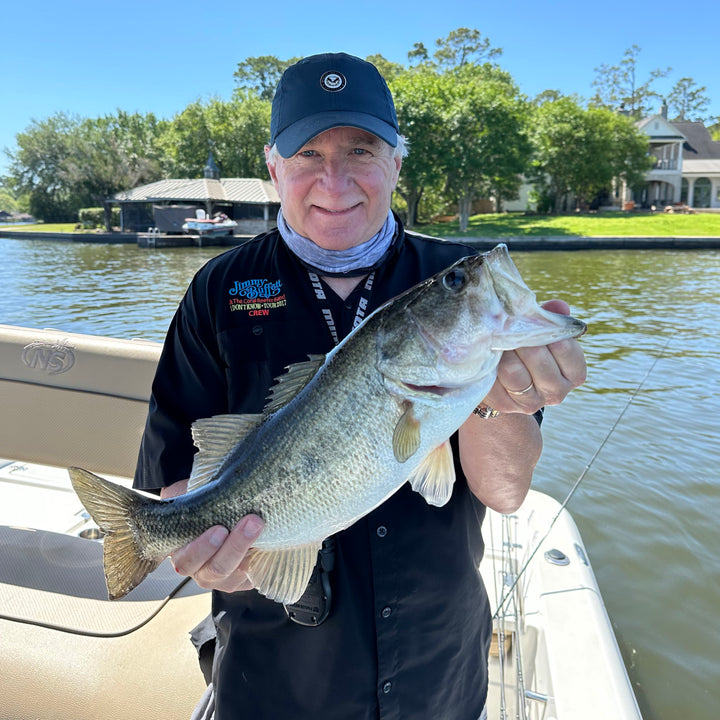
point(522, 392)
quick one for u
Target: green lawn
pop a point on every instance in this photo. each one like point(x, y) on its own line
point(612, 224)
point(45, 227)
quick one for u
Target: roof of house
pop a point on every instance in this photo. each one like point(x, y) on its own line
point(699, 144)
point(657, 128)
point(235, 190)
point(701, 167)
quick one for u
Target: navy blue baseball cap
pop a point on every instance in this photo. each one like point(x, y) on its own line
point(326, 91)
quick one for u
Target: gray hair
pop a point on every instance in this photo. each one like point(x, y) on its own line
point(400, 150)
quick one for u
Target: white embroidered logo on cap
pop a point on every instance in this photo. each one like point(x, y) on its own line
point(333, 81)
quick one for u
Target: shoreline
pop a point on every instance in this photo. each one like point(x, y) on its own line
point(526, 243)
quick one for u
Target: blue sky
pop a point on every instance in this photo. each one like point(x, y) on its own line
point(88, 58)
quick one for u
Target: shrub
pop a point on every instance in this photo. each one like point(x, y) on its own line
point(91, 218)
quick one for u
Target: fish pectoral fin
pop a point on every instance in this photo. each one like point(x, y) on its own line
point(215, 437)
point(112, 507)
point(282, 575)
point(287, 386)
point(406, 438)
point(435, 476)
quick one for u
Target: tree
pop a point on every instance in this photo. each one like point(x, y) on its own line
point(687, 101)
point(65, 163)
point(486, 143)
point(464, 47)
point(37, 167)
point(467, 131)
point(581, 152)
point(8, 203)
point(239, 130)
point(419, 95)
point(714, 129)
point(618, 86)
point(386, 68)
point(110, 154)
point(262, 74)
point(236, 131)
point(418, 55)
point(186, 143)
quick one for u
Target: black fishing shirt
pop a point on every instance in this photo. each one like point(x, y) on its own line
point(408, 633)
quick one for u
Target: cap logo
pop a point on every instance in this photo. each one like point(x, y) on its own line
point(333, 81)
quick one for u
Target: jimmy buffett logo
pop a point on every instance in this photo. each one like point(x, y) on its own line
point(256, 297)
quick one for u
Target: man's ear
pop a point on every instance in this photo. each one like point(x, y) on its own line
point(270, 166)
point(398, 167)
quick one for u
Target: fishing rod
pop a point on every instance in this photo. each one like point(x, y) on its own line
point(581, 477)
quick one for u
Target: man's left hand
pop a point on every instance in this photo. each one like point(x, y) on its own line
point(533, 377)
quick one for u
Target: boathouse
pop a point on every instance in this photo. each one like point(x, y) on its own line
point(166, 204)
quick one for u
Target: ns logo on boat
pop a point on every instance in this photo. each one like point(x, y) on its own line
point(52, 358)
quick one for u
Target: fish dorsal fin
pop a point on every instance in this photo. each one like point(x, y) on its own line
point(287, 386)
point(406, 438)
point(282, 575)
point(435, 476)
point(215, 437)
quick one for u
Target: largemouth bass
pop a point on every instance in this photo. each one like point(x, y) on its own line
point(340, 433)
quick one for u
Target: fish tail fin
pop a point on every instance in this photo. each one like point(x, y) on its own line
point(113, 507)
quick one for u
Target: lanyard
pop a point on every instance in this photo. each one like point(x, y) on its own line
point(314, 606)
point(360, 310)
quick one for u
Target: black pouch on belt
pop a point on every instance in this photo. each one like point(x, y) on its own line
point(313, 607)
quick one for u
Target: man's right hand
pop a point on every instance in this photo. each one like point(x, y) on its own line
point(217, 559)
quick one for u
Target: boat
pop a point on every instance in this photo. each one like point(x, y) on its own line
point(68, 652)
point(204, 227)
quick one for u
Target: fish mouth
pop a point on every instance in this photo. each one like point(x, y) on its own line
point(437, 390)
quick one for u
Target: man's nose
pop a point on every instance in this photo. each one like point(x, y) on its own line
point(336, 174)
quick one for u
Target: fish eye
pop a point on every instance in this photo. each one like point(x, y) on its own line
point(455, 280)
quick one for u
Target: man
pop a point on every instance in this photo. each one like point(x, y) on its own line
point(407, 633)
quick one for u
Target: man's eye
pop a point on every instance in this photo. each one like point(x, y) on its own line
point(306, 153)
point(359, 151)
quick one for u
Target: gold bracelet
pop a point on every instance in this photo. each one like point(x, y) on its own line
point(486, 412)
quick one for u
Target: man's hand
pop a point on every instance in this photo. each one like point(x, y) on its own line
point(499, 455)
point(530, 378)
point(217, 559)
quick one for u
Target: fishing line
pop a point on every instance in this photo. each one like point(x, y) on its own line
point(580, 478)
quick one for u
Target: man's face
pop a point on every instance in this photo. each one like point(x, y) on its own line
point(336, 190)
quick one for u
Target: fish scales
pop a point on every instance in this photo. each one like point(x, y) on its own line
point(340, 434)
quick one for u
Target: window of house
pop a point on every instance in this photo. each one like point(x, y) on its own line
point(684, 191)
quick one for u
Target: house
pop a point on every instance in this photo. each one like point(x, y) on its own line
point(687, 164)
point(686, 169)
point(253, 203)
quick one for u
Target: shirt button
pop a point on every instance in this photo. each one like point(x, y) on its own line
point(382, 531)
point(387, 687)
point(386, 612)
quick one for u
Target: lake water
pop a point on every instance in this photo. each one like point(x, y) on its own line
point(649, 506)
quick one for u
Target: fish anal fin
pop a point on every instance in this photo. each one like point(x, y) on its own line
point(215, 437)
point(406, 438)
point(287, 386)
point(435, 476)
point(112, 507)
point(282, 575)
